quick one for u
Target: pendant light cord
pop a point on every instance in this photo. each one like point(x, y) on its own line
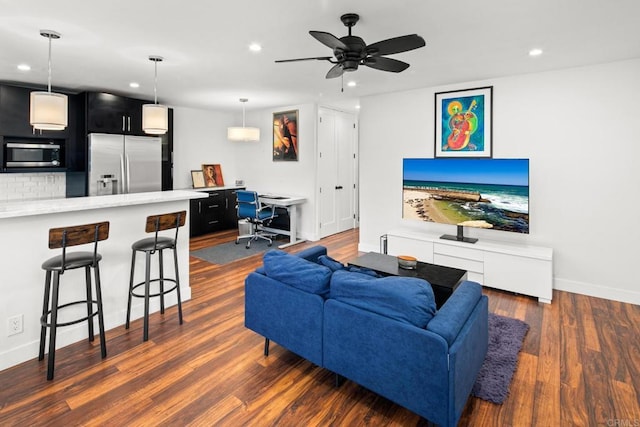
point(155, 83)
point(49, 81)
point(243, 115)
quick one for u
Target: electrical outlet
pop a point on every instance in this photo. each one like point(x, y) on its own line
point(14, 325)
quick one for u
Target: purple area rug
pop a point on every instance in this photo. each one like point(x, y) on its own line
point(505, 341)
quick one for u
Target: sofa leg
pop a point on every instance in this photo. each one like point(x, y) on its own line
point(266, 346)
point(339, 380)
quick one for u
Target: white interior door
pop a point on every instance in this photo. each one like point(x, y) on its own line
point(336, 168)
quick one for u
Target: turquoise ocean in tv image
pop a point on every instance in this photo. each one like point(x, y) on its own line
point(505, 207)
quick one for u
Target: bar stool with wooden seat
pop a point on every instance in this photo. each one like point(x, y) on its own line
point(63, 238)
point(150, 246)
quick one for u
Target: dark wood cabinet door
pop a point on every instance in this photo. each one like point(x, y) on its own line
point(14, 114)
point(107, 113)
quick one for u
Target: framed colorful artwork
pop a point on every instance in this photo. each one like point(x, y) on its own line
point(197, 178)
point(285, 136)
point(463, 121)
point(212, 175)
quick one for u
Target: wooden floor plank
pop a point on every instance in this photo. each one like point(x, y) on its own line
point(579, 365)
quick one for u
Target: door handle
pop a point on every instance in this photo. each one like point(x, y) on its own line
point(129, 124)
point(123, 129)
point(338, 187)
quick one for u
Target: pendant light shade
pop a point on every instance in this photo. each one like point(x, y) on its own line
point(155, 117)
point(48, 110)
point(243, 133)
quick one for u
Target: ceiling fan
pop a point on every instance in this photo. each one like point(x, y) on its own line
point(351, 51)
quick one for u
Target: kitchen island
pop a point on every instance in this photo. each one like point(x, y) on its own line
point(24, 233)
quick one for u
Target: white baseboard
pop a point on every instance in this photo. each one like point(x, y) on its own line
point(593, 290)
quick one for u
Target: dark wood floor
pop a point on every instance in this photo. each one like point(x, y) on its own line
point(580, 365)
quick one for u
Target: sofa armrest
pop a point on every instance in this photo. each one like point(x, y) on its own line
point(288, 316)
point(452, 316)
point(312, 253)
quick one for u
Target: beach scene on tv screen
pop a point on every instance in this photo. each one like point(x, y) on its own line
point(484, 193)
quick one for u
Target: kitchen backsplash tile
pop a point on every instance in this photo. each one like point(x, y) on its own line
point(32, 186)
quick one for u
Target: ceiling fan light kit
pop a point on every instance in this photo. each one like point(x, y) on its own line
point(247, 134)
point(349, 52)
point(48, 110)
point(155, 117)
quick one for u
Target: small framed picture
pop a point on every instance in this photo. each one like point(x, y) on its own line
point(212, 176)
point(463, 121)
point(197, 178)
point(285, 136)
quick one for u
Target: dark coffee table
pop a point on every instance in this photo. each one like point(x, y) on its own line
point(443, 280)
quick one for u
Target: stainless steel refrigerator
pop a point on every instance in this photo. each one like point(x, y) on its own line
point(124, 164)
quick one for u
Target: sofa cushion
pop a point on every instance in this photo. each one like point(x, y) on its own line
point(297, 272)
point(405, 299)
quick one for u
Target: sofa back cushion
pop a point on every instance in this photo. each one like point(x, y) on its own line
point(405, 299)
point(297, 272)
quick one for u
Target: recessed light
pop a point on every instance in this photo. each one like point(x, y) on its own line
point(24, 67)
point(134, 85)
point(358, 107)
point(255, 47)
point(535, 52)
point(351, 84)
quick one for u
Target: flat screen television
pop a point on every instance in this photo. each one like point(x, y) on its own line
point(482, 193)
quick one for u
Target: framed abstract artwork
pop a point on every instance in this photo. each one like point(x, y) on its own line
point(463, 122)
point(285, 136)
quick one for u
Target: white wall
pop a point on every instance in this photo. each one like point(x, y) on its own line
point(577, 126)
point(200, 136)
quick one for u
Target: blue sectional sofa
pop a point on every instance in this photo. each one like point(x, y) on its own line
point(382, 333)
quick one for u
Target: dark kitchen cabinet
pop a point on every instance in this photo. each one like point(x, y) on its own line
point(215, 213)
point(14, 114)
point(107, 113)
point(14, 121)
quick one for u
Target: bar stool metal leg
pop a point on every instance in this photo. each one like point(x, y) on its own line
point(87, 278)
point(54, 322)
point(175, 262)
point(133, 267)
point(147, 291)
point(45, 309)
point(161, 275)
point(103, 340)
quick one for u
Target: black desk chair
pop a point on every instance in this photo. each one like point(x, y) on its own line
point(250, 209)
point(150, 246)
point(63, 238)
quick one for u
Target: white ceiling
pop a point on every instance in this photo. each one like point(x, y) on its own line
point(105, 45)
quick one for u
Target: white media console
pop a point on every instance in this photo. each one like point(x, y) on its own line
point(513, 267)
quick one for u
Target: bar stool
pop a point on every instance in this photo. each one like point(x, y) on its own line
point(62, 238)
point(150, 246)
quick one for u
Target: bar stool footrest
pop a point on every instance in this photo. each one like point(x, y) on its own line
point(44, 319)
point(166, 291)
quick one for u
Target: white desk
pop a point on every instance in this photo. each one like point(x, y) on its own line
point(291, 203)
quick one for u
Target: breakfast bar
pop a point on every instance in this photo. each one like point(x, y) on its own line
point(24, 228)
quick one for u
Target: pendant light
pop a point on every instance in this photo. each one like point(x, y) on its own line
point(155, 117)
point(48, 110)
point(243, 133)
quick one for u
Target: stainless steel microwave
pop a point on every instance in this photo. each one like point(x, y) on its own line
point(33, 154)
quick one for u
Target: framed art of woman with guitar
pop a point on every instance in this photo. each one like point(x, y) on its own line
point(463, 120)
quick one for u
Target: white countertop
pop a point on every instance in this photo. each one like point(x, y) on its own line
point(21, 208)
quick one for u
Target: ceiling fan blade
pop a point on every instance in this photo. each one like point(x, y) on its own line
point(335, 71)
point(328, 40)
point(396, 45)
point(319, 58)
point(385, 64)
